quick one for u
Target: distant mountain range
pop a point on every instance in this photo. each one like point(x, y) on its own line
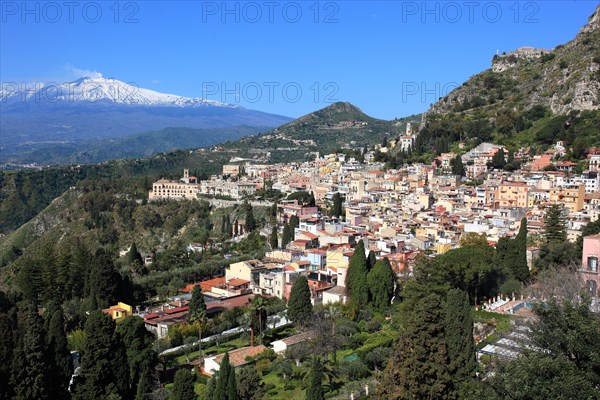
point(85, 114)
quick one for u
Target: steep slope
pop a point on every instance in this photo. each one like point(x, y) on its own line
point(520, 99)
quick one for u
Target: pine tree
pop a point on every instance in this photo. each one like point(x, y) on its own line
point(459, 338)
point(31, 371)
point(315, 386)
point(286, 238)
point(418, 369)
point(273, 240)
point(197, 306)
point(59, 355)
point(554, 224)
point(299, 304)
point(356, 277)
point(183, 386)
point(104, 370)
point(381, 281)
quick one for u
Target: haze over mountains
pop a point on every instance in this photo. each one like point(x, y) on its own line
point(90, 113)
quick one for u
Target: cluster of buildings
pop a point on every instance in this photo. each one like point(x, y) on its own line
point(399, 214)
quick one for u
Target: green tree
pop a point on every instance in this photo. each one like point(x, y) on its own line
point(457, 166)
point(299, 304)
point(250, 221)
point(356, 277)
point(315, 385)
point(336, 208)
point(371, 260)
point(287, 236)
point(294, 222)
point(554, 225)
point(104, 281)
point(59, 354)
point(134, 255)
point(104, 370)
point(273, 240)
point(460, 345)
point(31, 374)
point(231, 385)
point(520, 269)
point(418, 369)
point(566, 362)
point(221, 388)
point(141, 357)
point(183, 386)
point(8, 343)
point(381, 281)
point(249, 385)
point(197, 306)
point(498, 159)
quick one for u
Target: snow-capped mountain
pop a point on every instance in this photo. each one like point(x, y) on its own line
point(98, 90)
point(41, 118)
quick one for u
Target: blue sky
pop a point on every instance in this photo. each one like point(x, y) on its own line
point(390, 58)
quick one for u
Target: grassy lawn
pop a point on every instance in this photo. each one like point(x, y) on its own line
point(279, 392)
point(223, 347)
point(501, 321)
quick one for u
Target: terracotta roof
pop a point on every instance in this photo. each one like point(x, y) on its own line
point(238, 357)
point(237, 282)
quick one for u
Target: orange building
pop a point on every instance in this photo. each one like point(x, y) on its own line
point(511, 194)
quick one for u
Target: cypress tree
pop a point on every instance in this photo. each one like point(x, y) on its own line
point(273, 241)
point(294, 222)
point(519, 264)
point(183, 386)
point(356, 277)
point(221, 392)
point(336, 209)
point(59, 354)
point(315, 386)
point(231, 385)
point(381, 281)
point(371, 260)
point(31, 371)
point(250, 221)
point(8, 343)
point(299, 305)
point(134, 255)
point(287, 236)
point(104, 370)
point(418, 368)
point(197, 306)
point(459, 337)
point(104, 280)
point(236, 228)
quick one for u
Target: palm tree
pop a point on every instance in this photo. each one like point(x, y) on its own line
point(333, 312)
point(258, 314)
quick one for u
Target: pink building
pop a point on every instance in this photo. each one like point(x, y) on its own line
point(589, 271)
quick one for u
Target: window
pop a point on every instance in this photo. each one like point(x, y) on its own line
point(592, 287)
point(593, 263)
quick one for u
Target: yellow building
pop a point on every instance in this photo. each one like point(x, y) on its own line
point(511, 194)
point(571, 197)
point(121, 310)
